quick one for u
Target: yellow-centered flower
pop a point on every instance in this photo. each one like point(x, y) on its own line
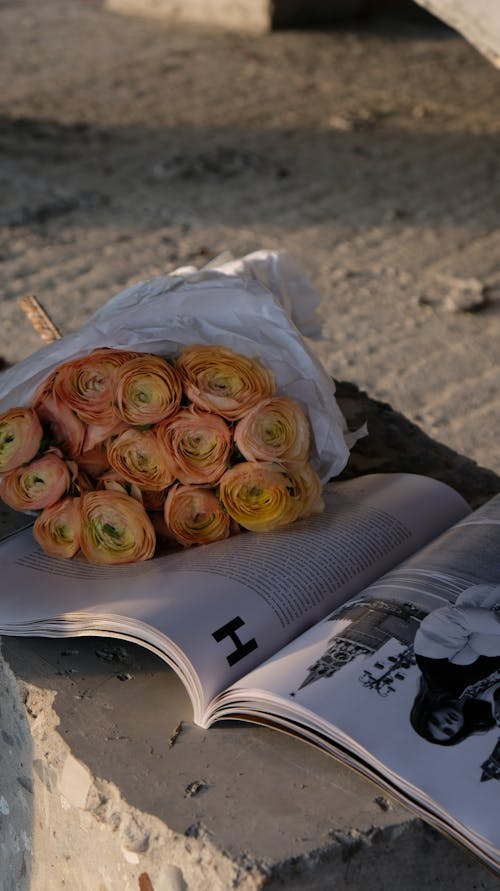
point(148, 389)
point(199, 443)
point(115, 529)
point(138, 457)
point(218, 379)
point(57, 528)
point(37, 485)
point(274, 430)
point(194, 515)
point(259, 496)
point(20, 437)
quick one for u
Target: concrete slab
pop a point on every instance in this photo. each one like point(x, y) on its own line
point(253, 16)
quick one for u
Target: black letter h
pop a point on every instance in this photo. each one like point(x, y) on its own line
point(229, 630)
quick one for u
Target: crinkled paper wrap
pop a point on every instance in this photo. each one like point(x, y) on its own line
point(254, 305)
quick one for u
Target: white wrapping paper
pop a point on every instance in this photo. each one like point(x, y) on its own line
point(254, 305)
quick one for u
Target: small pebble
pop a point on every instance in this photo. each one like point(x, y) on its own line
point(383, 803)
point(465, 295)
point(194, 788)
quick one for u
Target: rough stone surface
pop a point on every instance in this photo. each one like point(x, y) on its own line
point(131, 147)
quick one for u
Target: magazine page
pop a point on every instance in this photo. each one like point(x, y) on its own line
point(215, 612)
point(405, 677)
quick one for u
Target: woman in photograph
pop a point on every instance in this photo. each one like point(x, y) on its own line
point(455, 647)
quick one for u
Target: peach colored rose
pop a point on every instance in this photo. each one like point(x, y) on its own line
point(276, 429)
point(87, 385)
point(137, 456)
point(259, 495)
point(194, 515)
point(38, 484)
point(218, 379)
point(20, 437)
point(57, 528)
point(199, 443)
point(115, 529)
point(148, 389)
point(307, 489)
point(61, 425)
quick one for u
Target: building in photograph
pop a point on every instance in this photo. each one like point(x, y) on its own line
point(372, 624)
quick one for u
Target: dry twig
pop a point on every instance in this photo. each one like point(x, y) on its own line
point(41, 322)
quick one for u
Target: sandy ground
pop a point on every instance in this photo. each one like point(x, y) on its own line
point(370, 152)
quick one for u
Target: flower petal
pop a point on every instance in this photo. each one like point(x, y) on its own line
point(307, 488)
point(60, 424)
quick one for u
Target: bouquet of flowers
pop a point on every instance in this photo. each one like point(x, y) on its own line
point(117, 446)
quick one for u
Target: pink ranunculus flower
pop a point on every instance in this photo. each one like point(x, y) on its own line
point(307, 488)
point(199, 444)
point(87, 385)
point(194, 515)
point(38, 484)
point(218, 379)
point(138, 456)
point(148, 389)
point(20, 437)
point(62, 427)
point(259, 496)
point(276, 429)
point(115, 529)
point(57, 528)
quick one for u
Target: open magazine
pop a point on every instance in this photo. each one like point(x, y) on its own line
point(371, 630)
